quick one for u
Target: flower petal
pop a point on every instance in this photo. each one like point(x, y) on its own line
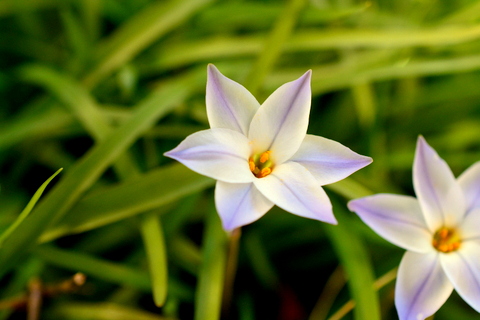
point(463, 269)
point(239, 204)
point(440, 196)
point(281, 122)
point(422, 286)
point(220, 154)
point(396, 218)
point(469, 229)
point(469, 181)
point(229, 104)
point(327, 160)
point(291, 187)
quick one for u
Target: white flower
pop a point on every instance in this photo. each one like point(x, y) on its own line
point(440, 231)
point(261, 154)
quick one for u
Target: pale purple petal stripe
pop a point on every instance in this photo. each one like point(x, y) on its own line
point(422, 286)
point(239, 204)
point(229, 104)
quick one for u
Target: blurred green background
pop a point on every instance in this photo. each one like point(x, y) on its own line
point(101, 88)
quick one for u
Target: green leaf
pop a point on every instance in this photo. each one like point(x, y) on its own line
point(355, 260)
point(139, 32)
point(313, 41)
point(349, 188)
point(273, 45)
point(82, 104)
point(95, 267)
point(101, 311)
point(13, 6)
point(74, 95)
point(170, 183)
point(152, 234)
point(208, 297)
point(24, 214)
point(88, 169)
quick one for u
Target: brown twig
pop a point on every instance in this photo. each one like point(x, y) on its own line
point(32, 299)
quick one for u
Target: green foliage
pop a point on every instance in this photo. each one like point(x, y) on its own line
point(102, 88)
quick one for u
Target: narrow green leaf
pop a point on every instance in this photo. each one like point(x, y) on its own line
point(78, 100)
point(91, 12)
point(273, 46)
point(349, 189)
point(261, 263)
point(152, 234)
point(27, 209)
point(208, 297)
point(106, 270)
point(355, 260)
point(35, 124)
point(469, 13)
point(337, 76)
point(84, 107)
point(91, 166)
point(185, 253)
point(138, 33)
point(101, 311)
point(94, 267)
point(12, 6)
point(74, 95)
point(130, 198)
point(214, 48)
point(76, 35)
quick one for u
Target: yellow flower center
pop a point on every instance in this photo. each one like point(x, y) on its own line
point(260, 164)
point(446, 240)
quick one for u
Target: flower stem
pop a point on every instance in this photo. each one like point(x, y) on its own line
point(378, 284)
point(230, 270)
point(332, 288)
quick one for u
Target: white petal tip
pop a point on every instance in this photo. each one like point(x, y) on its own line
point(308, 74)
point(351, 205)
point(211, 68)
point(363, 161)
point(333, 222)
point(422, 144)
point(327, 217)
point(169, 154)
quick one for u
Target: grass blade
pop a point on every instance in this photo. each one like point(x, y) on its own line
point(102, 311)
point(130, 198)
point(24, 214)
point(273, 45)
point(153, 239)
point(208, 297)
point(144, 28)
point(354, 258)
point(91, 266)
point(90, 167)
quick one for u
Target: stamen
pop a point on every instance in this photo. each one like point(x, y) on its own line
point(251, 164)
point(265, 172)
point(260, 164)
point(446, 240)
point(265, 156)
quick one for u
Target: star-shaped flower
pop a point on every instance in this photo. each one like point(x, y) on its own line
point(261, 154)
point(440, 231)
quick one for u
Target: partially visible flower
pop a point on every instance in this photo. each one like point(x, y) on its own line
point(261, 154)
point(440, 231)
